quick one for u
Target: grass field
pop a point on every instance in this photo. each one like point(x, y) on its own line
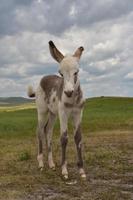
point(108, 153)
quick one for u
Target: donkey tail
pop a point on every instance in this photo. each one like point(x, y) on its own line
point(30, 92)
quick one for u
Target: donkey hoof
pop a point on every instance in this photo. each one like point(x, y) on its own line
point(83, 176)
point(41, 169)
point(53, 168)
point(65, 176)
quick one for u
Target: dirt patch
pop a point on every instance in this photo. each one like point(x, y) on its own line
point(46, 194)
point(92, 189)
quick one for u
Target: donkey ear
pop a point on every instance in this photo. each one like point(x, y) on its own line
point(78, 52)
point(55, 53)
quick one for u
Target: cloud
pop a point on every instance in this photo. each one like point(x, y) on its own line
point(104, 28)
point(57, 17)
point(129, 76)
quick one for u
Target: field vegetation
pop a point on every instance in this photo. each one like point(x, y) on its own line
point(108, 153)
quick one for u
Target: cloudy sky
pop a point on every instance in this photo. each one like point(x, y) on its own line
point(103, 27)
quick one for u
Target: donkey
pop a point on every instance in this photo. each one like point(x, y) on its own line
point(60, 95)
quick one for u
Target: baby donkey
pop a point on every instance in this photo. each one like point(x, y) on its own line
point(62, 96)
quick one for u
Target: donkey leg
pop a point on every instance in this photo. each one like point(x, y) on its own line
point(78, 141)
point(49, 130)
point(64, 140)
point(40, 137)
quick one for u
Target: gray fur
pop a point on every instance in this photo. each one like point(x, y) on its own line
point(78, 138)
point(48, 129)
point(79, 95)
point(52, 82)
point(40, 145)
point(64, 141)
point(68, 105)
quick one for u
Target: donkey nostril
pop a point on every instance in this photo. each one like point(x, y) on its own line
point(68, 93)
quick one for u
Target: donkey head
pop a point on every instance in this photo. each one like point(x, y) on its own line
point(69, 67)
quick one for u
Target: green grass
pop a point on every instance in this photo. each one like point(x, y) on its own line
point(108, 113)
point(99, 114)
point(17, 123)
point(108, 146)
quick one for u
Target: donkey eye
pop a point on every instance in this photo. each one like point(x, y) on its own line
point(60, 73)
point(76, 73)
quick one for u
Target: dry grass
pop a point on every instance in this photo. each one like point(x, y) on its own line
point(108, 147)
point(108, 163)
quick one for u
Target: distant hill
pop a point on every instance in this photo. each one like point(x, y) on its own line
point(14, 100)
